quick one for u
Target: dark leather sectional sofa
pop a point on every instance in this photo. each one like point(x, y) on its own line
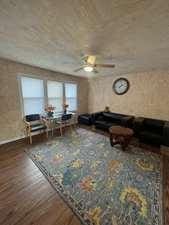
point(104, 120)
point(152, 131)
point(147, 130)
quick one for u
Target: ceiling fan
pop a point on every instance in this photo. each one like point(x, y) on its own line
point(90, 65)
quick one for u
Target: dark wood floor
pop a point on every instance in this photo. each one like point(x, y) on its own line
point(26, 197)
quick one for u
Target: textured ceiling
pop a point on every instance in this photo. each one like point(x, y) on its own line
point(55, 34)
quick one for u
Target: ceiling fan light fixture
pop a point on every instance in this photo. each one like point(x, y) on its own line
point(88, 68)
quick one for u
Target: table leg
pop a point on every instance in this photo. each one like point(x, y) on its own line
point(113, 140)
point(126, 142)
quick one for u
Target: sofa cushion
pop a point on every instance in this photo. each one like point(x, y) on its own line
point(103, 124)
point(96, 115)
point(151, 138)
point(154, 126)
point(86, 117)
point(101, 117)
point(127, 121)
point(112, 117)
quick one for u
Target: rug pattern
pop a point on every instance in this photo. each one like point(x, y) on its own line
point(103, 185)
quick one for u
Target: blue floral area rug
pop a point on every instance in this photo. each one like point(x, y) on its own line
point(102, 184)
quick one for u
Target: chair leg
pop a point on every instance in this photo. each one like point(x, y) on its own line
point(29, 134)
point(75, 128)
point(60, 130)
point(74, 125)
point(47, 133)
point(30, 138)
point(52, 131)
point(71, 127)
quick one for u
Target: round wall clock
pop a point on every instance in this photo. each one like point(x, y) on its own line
point(121, 86)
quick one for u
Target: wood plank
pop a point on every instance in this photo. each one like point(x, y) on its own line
point(26, 197)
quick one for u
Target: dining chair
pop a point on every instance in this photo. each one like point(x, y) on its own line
point(66, 120)
point(34, 123)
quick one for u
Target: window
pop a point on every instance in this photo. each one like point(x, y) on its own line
point(71, 96)
point(55, 95)
point(38, 93)
point(33, 95)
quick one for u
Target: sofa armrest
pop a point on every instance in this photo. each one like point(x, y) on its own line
point(85, 119)
point(137, 125)
point(166, 133)
point(127, 121)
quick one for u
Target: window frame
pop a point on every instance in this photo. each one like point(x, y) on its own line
point(20, 75)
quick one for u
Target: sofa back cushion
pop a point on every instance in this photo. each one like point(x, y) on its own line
point(96, 116)
point(111, 117)
point(154, 126)
point(101, 117)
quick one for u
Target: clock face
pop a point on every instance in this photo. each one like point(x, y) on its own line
point(121, 86)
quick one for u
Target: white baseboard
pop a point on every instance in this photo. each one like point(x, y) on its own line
point(16, 139)
point(11, 140)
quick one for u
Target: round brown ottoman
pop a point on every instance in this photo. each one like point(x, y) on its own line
point(120, 135)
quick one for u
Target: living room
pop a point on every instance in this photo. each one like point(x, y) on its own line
point(84, 112)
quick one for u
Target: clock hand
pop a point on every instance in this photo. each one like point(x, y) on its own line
point(121, 86)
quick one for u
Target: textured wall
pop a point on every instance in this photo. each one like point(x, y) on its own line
point(10, 109)
point(148, 95)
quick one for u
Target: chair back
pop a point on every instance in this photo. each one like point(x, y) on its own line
point(66, 117)
point(32, 117)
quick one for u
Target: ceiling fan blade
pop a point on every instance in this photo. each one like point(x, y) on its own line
point(77, 70)
point(105, 65)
